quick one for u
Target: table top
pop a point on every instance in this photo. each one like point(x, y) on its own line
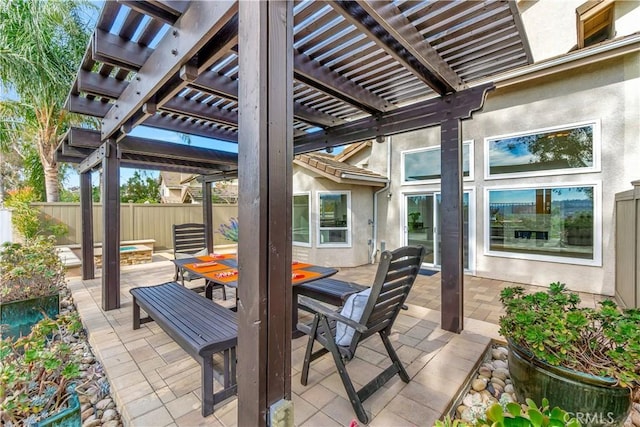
point(223, 269)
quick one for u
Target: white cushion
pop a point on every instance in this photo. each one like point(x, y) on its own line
point(353, 309)
point(180, 255)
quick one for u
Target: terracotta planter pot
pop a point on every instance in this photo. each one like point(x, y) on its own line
point(592, 400)
point(18, 317)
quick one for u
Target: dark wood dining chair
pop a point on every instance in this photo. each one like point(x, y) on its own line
point(394, 278)
point(189, 240)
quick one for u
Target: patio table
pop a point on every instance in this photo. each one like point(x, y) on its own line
point(223, 269)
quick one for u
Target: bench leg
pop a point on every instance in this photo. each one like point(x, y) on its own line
point(136, 314)
point(207, 385)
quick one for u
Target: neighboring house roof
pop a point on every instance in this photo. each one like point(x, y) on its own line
point(171, 179)
point(338, 171)
point(351, 150)
point(192, 194)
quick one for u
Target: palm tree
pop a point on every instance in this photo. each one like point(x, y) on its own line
point(41, 45)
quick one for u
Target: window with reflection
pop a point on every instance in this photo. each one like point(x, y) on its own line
point(300, 219)
point(424, 164)
point(556, 222)
point(334, 218)
point(564, 149)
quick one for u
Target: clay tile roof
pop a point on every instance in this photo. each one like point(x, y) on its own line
point(339, 171)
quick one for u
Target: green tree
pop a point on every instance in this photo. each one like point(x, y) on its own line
point(41, 45)
point(140, 188)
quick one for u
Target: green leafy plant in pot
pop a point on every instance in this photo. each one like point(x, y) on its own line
point(31, 276)
point(583, 360)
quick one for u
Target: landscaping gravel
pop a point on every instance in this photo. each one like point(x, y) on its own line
point(97, 405)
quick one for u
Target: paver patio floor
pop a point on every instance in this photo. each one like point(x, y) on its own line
point(155, 383)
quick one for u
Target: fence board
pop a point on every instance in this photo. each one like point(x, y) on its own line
point(138, 221)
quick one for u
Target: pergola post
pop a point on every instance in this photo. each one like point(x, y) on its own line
point(111, 227)
point(86, 212)
point(451, 214)
point(207, 214)
point(265, 176)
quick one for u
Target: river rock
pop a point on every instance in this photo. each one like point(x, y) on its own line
point(479, 384)
point(109, 415)
point(499, 364)
point(103, 404)
point(472, 400)
point(87, 413)
point(508, 388)
point(467, 415)
point(459, 410)
point(497, 354)
point(501, 374)
point(635, 418)
point(92, 423)
point(498, 381)
point(484, 371)
point(112, 423)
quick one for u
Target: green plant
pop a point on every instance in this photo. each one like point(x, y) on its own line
point(517, 415)
point(29, 221)
point(550, 325)
point(38, 371)
point(580, 220)
point(30, 270)
point(230, 231)
point(413, 219)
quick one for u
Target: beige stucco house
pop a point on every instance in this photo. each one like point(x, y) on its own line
point(542, 162)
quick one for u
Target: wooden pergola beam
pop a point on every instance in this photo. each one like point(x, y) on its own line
point(199, 23)
point(405, 119)
point(113, 50)
point(165, 11)
point(191, 127)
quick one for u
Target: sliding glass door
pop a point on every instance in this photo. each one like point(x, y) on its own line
point(422, 225)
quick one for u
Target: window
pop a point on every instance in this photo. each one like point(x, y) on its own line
point(423, 165)
point(300, 216)
point(595, 22)
point(335, 218)
point(567, 149)
point(549, 223)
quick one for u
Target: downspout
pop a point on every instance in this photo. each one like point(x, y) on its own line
point(374, 224)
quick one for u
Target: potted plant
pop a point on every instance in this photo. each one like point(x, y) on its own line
point(583, 360)
point(38, 376)
point(31, 275)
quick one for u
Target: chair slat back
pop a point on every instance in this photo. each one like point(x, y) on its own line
point(188, 238)
point(395, 276)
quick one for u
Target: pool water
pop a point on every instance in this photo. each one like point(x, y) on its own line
point(128, 248)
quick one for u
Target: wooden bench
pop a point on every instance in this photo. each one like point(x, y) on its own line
point(200, 326)
point(331, 291)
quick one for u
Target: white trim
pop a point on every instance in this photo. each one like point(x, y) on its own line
point(347, 244)
point(596, 151)
point(469, 143)
point(597, 225)
point(310, 220)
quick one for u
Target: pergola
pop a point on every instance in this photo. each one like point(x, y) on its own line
point(280, 78)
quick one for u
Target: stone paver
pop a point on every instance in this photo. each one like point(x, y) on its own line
point(155, 383)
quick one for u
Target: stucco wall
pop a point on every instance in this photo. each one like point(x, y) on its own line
point(607, 92)
point(361, 232)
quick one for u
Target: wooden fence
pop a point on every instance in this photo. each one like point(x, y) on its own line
point(137, 221)
point(627, 251)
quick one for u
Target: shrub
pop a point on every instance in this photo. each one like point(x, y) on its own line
point(29, 221)
point(30, 270)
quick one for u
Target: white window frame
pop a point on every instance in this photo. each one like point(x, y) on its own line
point(319, 243)
point(308, 194)
point(469, 143)
point(597, 225)
point(597, 144)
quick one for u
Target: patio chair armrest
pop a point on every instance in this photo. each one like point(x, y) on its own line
point(331, 314)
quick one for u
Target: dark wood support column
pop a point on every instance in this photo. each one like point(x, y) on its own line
point(455, 107)
point(111, 227)
point(207, 214)
point(452, 279)
point(86, 211)
point(265, 175)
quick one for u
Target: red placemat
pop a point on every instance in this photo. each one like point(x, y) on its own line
point(228, 275)
point(202, 268)
point(299, 276)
